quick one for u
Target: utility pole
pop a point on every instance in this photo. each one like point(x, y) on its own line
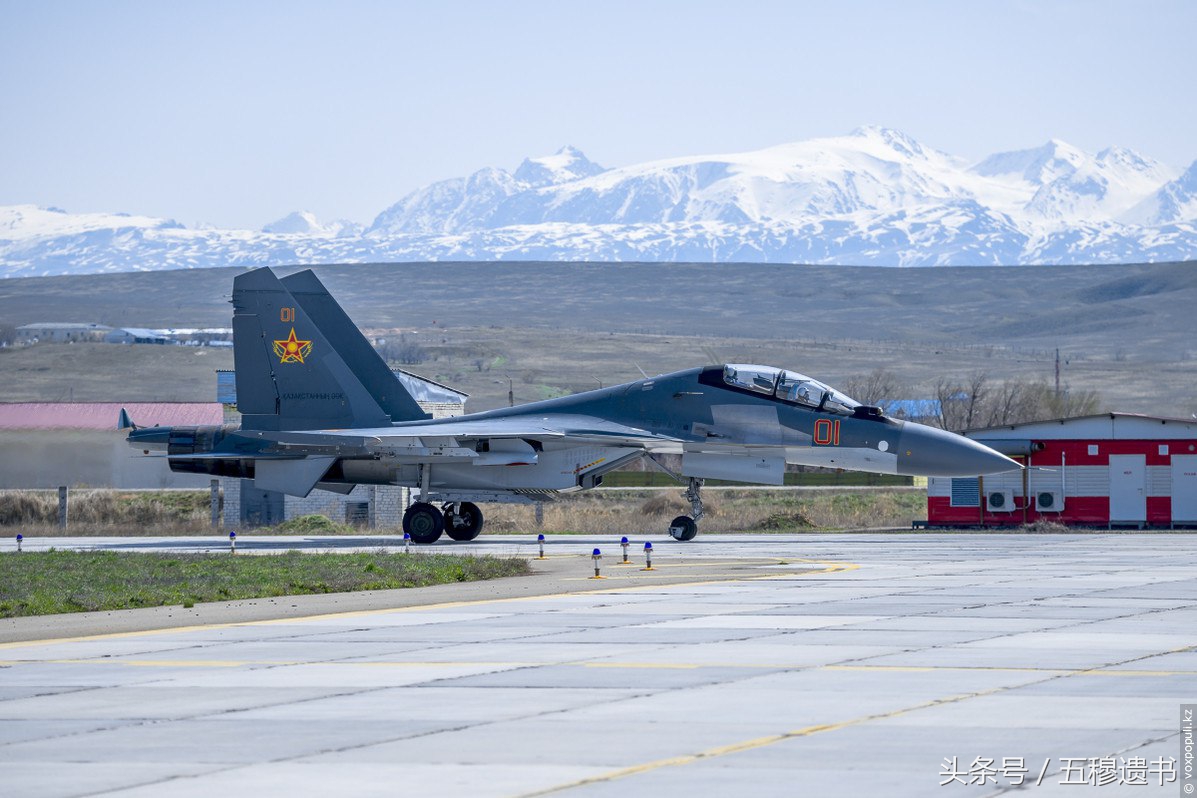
point(1057, 372)
point(510, 392)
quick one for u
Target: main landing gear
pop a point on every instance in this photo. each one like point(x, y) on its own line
point(425, 523)
point(463, 520)
point(685, 527)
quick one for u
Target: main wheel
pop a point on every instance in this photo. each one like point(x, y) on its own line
point(423, 522)
point(465, 524)
point(683, 528)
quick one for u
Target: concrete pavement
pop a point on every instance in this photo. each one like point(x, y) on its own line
point(818, 665)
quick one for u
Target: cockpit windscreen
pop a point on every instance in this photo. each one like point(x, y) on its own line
point(789, 386)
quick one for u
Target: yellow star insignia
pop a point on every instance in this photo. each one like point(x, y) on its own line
point(292, 350)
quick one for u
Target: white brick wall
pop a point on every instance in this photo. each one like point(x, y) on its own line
point(387, 503)
point(231, 488)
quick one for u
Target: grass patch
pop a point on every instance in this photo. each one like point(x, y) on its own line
point(46, 583)
point(314, 525)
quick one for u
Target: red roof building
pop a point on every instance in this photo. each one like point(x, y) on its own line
point(103, 415)
point(47, 444)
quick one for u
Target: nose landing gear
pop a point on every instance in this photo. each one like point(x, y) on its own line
point(685, 527)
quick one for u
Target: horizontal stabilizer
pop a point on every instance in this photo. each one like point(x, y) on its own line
point(294, 477)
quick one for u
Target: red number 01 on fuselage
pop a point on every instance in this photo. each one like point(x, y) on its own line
point(827, 432)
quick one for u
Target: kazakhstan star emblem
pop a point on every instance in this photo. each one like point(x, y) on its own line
point(292, 350)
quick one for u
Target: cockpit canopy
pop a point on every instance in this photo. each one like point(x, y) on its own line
point(789, 386)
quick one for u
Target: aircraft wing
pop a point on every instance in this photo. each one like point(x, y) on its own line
point(421, 438)
point(296, 461)
point(583, 429)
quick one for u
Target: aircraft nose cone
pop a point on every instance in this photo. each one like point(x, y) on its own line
point(929, 452)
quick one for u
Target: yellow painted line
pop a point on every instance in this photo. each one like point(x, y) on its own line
point(185, 663)
point(1136, 673)
point(115, 635)
point(1100, 671)
point(923, 668)
point(831, 568)
point(761, 742)
point(680, 666)
point(795, 567)
point(748, 745)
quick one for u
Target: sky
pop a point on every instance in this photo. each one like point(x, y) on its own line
point(236, 113)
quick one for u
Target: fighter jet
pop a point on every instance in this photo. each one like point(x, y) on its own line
point(321, 410)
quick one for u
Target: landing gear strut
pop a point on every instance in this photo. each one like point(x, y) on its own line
point(422, 520)
point(463, 520)
point(685, 527)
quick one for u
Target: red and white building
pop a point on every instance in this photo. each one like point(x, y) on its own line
point(1114, 469)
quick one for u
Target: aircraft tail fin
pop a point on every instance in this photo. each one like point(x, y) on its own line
point(344, 336)
point(289, 375)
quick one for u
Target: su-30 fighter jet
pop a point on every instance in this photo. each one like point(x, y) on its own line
point(320, 410)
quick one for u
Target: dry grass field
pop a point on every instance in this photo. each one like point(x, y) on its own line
point(631, 513)
point(615, 512)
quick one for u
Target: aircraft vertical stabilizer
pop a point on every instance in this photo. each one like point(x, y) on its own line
point(365, 362)
point(289, 376)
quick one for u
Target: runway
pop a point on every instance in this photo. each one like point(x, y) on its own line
point(855, 664)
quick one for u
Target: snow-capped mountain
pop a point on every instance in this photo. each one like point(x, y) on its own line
point(305, 223)
point(1175, 201)
point(875, 196)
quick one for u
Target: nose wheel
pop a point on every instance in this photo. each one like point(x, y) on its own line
point(685, 527)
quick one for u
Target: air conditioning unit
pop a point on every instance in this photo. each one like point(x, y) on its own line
point(1049, 501)
point(1000, 501)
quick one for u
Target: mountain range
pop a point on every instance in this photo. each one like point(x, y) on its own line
point(873, 197)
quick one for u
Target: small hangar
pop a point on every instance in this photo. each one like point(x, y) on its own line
point(1113, 469)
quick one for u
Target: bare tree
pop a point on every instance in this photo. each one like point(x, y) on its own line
point(978, 402)
point(875, 386)
point(1011, 402)
point(403, 351)
point(1070, 403)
